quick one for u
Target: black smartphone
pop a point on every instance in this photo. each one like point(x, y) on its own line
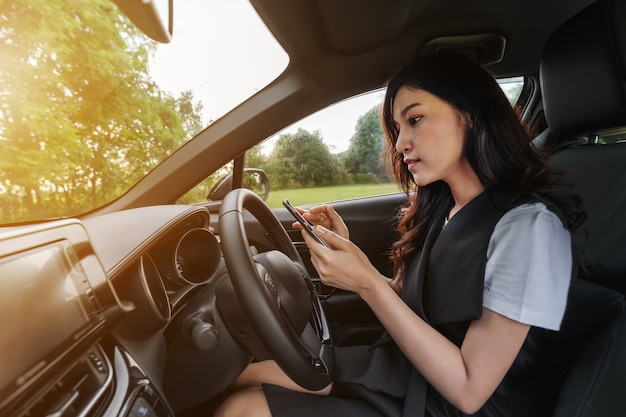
point(307, 226)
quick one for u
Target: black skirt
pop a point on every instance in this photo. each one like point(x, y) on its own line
point(346, 400)
point(383, 369)
point(351, 400)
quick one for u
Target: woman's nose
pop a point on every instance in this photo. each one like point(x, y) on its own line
point(402, 144)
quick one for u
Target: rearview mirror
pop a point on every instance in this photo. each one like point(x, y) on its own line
point(153, 17)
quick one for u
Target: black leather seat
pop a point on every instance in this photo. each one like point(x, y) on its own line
point(583, 82)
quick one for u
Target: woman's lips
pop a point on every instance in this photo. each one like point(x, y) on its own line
point(411, 163)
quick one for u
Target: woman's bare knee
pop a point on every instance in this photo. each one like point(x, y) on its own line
point(249, 402)
point(257, 373)
point(268, 372)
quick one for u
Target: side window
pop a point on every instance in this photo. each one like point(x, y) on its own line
point(334, 154)
point(512, 88)
point(612, 137)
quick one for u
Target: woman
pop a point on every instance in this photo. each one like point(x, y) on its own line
point(484, 255)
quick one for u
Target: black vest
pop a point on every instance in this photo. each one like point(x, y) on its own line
point(444, 286)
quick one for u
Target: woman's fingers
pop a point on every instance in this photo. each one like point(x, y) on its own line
point(344, 266)
point(325, 215)
point(337, 223)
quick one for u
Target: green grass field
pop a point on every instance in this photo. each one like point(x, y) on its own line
point(304, 196)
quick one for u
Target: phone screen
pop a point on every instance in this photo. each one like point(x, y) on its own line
point(307, 226)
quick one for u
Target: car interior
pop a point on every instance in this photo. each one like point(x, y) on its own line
point(153, 308)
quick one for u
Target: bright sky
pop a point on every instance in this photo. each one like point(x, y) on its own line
point(241, 59)
point(337, 123)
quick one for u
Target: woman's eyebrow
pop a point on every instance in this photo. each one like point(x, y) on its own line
point(408, 107)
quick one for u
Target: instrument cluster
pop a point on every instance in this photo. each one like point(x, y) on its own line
point(161, 277)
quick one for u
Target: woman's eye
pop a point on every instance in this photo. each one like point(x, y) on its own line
point(414, 120)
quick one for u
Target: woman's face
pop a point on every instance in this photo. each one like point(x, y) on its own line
point(431, 137)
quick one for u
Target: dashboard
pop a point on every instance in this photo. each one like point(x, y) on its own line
point(116, 315)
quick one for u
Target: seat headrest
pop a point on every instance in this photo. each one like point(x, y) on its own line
point(583, 71)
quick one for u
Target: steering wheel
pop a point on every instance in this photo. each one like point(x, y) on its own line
point(276, 293)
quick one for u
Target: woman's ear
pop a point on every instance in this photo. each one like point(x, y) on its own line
point(465, 120)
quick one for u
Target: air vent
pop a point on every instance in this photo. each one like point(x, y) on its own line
point(78, 391)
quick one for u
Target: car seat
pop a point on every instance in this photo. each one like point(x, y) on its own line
point(583, 83)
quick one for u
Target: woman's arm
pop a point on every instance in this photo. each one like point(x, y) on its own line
point(466, 377)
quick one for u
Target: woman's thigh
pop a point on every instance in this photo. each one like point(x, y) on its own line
point(248, 398)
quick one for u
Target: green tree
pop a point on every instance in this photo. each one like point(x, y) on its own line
point(80, 118)
point(190, 113)
point(363, 157)
point(255, 158)
point(302, 159)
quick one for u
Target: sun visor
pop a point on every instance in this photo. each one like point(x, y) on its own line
point(348, 23)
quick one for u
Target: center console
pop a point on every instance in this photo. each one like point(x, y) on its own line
point(56, 308)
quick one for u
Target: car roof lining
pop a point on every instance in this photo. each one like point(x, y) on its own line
point(315, 30)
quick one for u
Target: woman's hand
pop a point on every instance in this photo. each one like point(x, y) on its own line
point(345, 266)
point(326, 216)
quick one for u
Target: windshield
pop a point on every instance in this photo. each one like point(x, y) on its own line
point(89, 105)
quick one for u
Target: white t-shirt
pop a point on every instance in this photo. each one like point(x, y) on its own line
point(529, 263)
